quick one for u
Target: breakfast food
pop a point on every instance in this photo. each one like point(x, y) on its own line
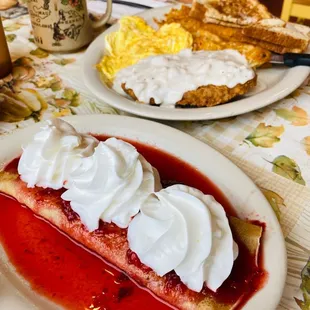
point(160, 249)
point(232, 13)
point(126, 180)
point(188, 79)
point(60, 157)
point(211, 37)
point(252, 23)
point(208, 25)
point(288, 39)
point(53, 155)
point(178, 229)
point(136, 40)
point(135, 45)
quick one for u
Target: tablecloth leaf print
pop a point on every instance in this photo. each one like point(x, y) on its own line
point(18, 102)
point(22, 72)
point(265, 136)
point(14, 108)
point(305, 287)
point(306, 144)
point(13, 27)
point(23, 61)
point(72, 96)
point(275, 200)
point(54, 82)
point(34, 92)
point(287, 168)
point(64, 61)
point(297, 116)
point(10, 37)
point(38, 52)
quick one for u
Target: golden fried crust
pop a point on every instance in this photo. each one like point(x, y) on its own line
point(131, 93)
point(215, 37)
point(256, 56)
point(205, 96)
point(198, 10)
point(211, 95)
point(256, 51)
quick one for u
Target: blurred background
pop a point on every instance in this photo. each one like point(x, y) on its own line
point(299, 8)
point(274, 6)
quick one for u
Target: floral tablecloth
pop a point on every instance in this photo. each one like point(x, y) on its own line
point(272, 145)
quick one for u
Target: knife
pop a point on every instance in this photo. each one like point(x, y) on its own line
point(291, 59)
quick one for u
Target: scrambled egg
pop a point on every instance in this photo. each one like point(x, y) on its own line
point(136, 40)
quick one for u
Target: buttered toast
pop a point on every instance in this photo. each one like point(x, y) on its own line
point(250, 22)
point(214, 37)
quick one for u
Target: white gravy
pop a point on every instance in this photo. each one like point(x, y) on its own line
point(165, 78)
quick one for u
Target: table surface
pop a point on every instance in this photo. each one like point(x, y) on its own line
point(272, 145)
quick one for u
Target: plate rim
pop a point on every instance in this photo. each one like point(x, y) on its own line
point(293, 78)
point(128, 125)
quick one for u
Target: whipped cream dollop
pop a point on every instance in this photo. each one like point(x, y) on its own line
point(165, 78)
point(181, 229)
point(177, 228)
point(53, 154)
point(111, 185)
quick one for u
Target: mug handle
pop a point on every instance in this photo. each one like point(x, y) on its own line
point(105, 18)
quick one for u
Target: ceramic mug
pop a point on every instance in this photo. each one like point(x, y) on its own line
point(63, 25)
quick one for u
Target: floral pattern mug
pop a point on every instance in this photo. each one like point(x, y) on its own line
point(63, 25)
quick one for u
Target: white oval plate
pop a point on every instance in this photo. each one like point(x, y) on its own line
point(273, 84)
point(246, 198)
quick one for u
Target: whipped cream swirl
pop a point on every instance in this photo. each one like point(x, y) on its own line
point(53, 154)
point(111, 185)
point(179, 228)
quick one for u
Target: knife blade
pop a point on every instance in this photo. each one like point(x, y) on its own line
point(291, 59)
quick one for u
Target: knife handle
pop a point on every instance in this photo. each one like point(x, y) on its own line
point(293, 60)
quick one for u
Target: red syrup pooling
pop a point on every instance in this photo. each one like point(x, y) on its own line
point(61, 270)
point(70, 275)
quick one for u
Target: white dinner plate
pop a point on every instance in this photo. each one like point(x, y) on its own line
point(246, 198)
point(273, 84)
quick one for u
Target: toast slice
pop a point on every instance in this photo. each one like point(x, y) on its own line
point(233, 34)
point(110, 242)
point(290, 37)
point(214, 37)
point(276, 48)
point(250, 22)
point(301, 28)
point(230, 12)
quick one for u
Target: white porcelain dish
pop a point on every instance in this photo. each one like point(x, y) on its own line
point(273, 84)
point(246, 198)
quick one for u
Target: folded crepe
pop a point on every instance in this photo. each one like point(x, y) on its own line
point(110, 242)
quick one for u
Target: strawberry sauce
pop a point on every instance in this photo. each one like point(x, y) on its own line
point(72, 276)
